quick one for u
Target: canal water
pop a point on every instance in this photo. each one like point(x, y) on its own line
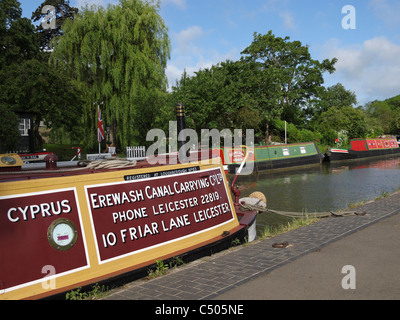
point(322, 188)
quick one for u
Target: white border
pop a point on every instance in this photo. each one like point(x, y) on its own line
point(57, 275)
point(163, 243)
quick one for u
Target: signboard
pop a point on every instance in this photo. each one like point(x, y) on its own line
point(143, 213)
point(238, 155)
point(38, 230)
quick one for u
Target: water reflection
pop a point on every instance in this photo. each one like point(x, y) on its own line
point(326, 187)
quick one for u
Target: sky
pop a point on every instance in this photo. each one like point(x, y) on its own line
point(362, 34)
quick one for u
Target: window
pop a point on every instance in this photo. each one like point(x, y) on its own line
point(24, 126)
point(286, 152)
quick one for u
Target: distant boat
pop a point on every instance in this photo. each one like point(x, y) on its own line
point(363, 148)
point(271, 156)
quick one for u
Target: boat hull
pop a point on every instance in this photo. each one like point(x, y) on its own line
point(363, 148)
point(64, 232)
point(273, 157)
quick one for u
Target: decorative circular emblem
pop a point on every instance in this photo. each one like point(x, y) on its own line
point(8, 160)
point(62, 234)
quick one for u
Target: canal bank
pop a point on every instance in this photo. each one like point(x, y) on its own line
point(313, 262)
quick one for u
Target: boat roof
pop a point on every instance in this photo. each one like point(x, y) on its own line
point(71, 168)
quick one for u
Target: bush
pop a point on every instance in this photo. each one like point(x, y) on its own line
point(294, 134)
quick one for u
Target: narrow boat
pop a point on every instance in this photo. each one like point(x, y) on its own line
point(363, 148)
point(271, 157)
point(29, 157)
point(63, 228)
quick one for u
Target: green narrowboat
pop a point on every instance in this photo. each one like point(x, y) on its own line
point(262, 158)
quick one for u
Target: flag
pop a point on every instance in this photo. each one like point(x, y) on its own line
point(100, 129)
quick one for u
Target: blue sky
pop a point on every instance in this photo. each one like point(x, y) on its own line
point(206, 32)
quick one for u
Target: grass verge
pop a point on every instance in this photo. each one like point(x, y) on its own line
point(296, 223)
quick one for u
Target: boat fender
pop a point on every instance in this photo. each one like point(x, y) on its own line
point(253, 204)
point(259, 195)
point(51, 161)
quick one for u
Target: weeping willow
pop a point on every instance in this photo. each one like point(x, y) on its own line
point(118, 55)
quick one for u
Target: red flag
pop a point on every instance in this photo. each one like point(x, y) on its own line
point(100, 129)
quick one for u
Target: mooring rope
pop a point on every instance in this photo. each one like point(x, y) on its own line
point(111, 163)
point(261, 208)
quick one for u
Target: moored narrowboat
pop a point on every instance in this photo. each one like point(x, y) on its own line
point(363, 148)
point(270, 157)
point(62, 228)
point(28, 157)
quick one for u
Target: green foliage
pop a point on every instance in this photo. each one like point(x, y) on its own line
point(217, 97)
point(161, 269)
point(97, 292)
point(9, 134)
point(33, 86)
point(63, 11)
point(349, 119)
point(18, 40)
point(384, 116)
point(118, 56)
point(334, 96)
point(274, 79)
point(293, 77)
point(293, 133)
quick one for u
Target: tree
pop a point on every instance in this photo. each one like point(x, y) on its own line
point(62, 11)
point(352, 120)
point(18, 41)
point(9, 134)
point(290, 75)
point(118, 56)
point(384, 115)
point(274, 79)
point(33, 86)
point(334, 96)
point(216, 97)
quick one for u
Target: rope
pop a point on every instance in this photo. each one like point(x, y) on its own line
point(110, 163)
point(300, 214)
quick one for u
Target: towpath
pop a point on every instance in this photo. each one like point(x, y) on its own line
point(323, 261)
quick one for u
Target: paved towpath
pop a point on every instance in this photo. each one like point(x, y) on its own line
point(309, 268)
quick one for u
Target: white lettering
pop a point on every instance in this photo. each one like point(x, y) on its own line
point(36, 210)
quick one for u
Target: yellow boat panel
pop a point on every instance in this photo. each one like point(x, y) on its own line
point(63, 232)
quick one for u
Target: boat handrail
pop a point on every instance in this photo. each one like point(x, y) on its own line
point(236, 191)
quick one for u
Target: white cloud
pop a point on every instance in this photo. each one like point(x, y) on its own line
point(195, 62)
point(185, 39)
point(387, 11)
point(371, 69)
point(288, 20)
point(278, 7)
point(175, 69)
